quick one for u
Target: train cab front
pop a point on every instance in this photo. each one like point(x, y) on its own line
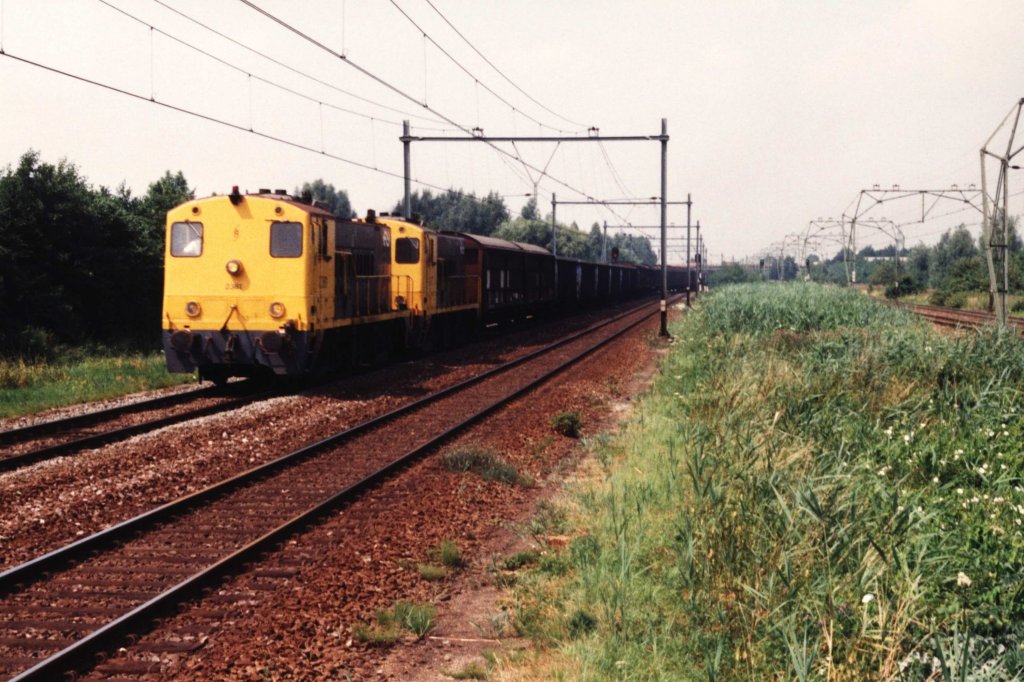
point(236, 285)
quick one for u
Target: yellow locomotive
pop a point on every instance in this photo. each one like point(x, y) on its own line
point(261, 283)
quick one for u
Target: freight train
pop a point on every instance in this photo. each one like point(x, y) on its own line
point(266, 284)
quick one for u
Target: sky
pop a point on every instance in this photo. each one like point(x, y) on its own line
point(779, 112)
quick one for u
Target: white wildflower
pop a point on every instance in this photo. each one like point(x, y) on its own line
point(867, 598)
point(962, 579)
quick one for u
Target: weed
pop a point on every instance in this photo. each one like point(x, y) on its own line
point(432, 572)
point(521, 559)
point(567, 424)
point(581, 623)
point(474, 670)
point(449, 554)
point(484, 463)
point(389, 624)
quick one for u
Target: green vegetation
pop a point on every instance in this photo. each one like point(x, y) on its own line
point(567, 424)
point(474, 670)
point(29, 388)
point(449, 554)
point(79, 264)
point(388, 625)
point(817, 487)
point(485, 463)
point(432, 572)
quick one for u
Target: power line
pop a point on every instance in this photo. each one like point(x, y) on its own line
point(212, 119)
point(499, 71)
point(377, 79)
point(427, 37)
point(243, 71)
point(291, 68)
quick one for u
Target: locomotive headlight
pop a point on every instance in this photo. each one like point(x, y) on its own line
point(234, 267)
point(277, 310)
point(192, 309)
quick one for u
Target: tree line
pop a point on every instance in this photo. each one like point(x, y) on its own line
point(84, 265)
point(949, 270)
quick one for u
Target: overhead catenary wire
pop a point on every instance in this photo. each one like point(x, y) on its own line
point(499, 71)
point(245, 72)
point(293, 69)
point(212, 119)
point(462, 67)
point(395, 89)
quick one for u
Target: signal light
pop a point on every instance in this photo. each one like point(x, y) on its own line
point(234, 268)
point(277, 310)
point(615, 254)
point(235, 196)
point(193, 309)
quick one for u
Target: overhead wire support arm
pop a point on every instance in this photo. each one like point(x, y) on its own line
point(538, 138)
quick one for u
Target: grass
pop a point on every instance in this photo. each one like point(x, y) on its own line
point(483, 462)
point(567, 424)
point(26, 388)
point(817, 487)
point(389, 625)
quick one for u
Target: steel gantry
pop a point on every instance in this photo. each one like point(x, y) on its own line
point(997, 253)
point(868, 199)
point(593, 136)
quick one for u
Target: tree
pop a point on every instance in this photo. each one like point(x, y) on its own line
point(956, 244)
point(529, 210)
point(335, 200)
point(457, 211)
point(79, 264)
point(732, 273)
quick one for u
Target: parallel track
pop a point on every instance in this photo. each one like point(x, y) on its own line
point(92, 429)
point(952, 317)
point(62, 610)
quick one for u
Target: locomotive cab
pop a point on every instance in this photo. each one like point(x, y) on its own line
point(245, 285)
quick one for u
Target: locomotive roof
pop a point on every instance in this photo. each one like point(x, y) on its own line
point(282, 198)
point(505, 245)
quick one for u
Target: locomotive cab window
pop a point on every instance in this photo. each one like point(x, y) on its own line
point(187, 240)
point(407, 250)
point(285, 240)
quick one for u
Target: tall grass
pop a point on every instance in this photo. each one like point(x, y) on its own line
point(26, 388)
point(817, 488)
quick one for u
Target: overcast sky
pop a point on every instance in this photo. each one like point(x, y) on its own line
point(779, 112)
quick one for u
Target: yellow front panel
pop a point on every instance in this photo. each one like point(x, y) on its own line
point(409, 280)
point(241, 234)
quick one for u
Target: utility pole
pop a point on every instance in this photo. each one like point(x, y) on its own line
point(554, 227)
point(408, 169)
point(687, 250)
point(664, 236)
point(604, 244)
point(997, 251)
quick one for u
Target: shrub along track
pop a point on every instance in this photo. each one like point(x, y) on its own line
point(219, 530)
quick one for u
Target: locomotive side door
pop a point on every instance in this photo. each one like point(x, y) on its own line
point(323, 269)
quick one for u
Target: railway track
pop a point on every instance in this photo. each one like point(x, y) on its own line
point(60, 611)
point(45, 440)
point(955, 318)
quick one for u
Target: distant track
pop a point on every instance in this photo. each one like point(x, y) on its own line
point(953, 317)
point(60, 612)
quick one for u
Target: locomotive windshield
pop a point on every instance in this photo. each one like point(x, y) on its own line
point(187, 240)
point(407, 250)
point(285, 240)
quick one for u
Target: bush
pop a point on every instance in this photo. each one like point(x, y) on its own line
point(486, 464)
point(949, 299)
point(567, 423)
point(449, 554)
